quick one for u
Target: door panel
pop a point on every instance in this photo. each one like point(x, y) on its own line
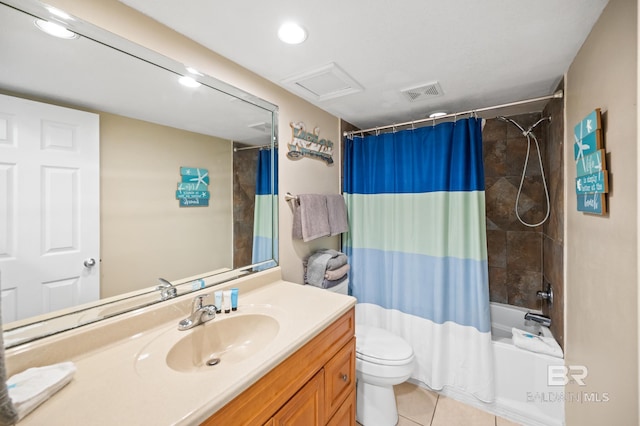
point(50, 207)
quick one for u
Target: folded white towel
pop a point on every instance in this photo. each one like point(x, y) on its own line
point(35, 385)
point(534, 343)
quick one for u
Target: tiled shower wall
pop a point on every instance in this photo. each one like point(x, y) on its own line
point(245, 165)
point(521, 258)
point(553, 230)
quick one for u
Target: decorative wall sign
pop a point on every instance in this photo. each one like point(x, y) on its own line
point(591, 163)
point(191, 174)
point(591, 203)
point(194, 188)
point(592, 181)
point(595, 182)
point(192, 194)
point(307, 144)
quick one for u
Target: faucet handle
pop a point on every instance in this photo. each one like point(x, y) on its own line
point(198, 302)
point(162, 283)
point(167, 290)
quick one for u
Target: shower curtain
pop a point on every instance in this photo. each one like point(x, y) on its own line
point(417, 247)
point(265, 216)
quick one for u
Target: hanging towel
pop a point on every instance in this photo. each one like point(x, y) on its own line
point(338, 273)
point(35, 385)
point(310, 218)
point(337, 211)
point(535, 343)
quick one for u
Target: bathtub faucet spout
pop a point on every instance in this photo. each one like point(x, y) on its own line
point(539, 318)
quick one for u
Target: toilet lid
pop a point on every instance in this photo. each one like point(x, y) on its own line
point(380, 346)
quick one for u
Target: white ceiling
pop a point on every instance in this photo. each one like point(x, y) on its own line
point(99, 76)
point(482, 53)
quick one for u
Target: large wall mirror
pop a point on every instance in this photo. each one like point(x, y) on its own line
point(114, 174)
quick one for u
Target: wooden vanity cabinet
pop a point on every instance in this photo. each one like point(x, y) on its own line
point(313, 387)
point(339, 378)
point(306, 407)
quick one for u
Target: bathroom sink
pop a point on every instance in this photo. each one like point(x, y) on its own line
point(224, 340)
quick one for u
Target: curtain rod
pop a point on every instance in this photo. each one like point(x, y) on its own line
point(235, 149)
point(557, 95)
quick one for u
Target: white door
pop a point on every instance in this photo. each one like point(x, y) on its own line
point(49, 207)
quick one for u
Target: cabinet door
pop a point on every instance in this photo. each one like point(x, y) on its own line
point(305, 408)
point(346, 414)
point(340, 377)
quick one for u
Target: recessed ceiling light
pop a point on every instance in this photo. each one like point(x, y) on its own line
point(437, 114)
point(292, 33)
point(59, 13)
point(188, 81)
point(55, 30)
point(194, 71)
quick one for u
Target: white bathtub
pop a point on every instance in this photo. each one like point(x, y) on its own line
point(521, 391)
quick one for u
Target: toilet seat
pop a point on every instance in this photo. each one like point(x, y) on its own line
point(379, 346)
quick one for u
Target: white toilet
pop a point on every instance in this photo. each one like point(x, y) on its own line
point(382, 361)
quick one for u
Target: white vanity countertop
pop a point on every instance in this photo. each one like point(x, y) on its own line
point(128, 381)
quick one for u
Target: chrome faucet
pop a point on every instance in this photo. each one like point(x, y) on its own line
point(167, 290)
point(539, 318)
point(200, 314)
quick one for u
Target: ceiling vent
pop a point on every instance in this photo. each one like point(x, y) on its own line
point(262, 127)
point(424, 92)
point(326, 82)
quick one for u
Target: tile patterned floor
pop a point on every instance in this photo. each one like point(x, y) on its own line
point(420, 407)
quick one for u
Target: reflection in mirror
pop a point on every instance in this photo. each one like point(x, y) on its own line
point(113, 174)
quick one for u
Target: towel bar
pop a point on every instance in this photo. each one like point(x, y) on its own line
point(290, 197)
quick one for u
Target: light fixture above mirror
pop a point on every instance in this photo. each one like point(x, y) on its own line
point(54, 29)
point(188, 82)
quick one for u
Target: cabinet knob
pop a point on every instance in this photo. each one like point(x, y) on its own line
point(345, 377)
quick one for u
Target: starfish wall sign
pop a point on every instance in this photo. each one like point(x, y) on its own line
point(193, 190)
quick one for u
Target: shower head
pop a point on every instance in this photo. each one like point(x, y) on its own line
point(524, 132)
point(538, 122)
point(509, 120)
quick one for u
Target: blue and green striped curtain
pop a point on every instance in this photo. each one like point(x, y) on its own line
point(417, 248)
point(265, 217)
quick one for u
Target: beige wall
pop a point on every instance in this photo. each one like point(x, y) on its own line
point(302, 176)
point(145, 234)
point(601, 301)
